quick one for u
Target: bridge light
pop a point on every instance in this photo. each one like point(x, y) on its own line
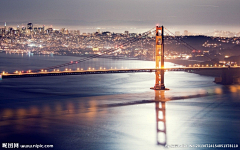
point(54, 70)
point(70, 69)
point(66, 69)
point(77, 68)
point(104, 68)
point(3, 72)
point(29, 71)
point(202, 65)
point(71, 62)
point(16, 71)
point(111, 67)
point(223, 65)
point(81, 68)
point(45, 70)
point(58, 70)
point(206, 65)
point(219, 65)
point(189, 65)
point(100, 68)
point(92, 68)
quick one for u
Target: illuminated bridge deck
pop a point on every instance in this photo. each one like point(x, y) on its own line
point(105, 71)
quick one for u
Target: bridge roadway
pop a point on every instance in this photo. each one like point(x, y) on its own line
point(104, 71)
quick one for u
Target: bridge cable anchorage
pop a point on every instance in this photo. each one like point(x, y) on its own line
point(132, 40)
point(188, 45)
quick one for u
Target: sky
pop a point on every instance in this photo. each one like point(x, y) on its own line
point(178, 15)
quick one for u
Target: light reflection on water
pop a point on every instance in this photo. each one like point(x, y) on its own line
point(118, 111)
point(113, 118)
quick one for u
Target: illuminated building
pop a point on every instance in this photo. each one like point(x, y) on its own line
point(24, 30)
point(30, 28)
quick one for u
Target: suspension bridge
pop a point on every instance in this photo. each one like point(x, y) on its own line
point(79, 68)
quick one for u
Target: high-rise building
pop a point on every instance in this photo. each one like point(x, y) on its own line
point(24, 30)
point(29, 26)
point(2, 31)
point(10, 30)
point(49, 30)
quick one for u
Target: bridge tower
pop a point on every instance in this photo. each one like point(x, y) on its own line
point(159, 57)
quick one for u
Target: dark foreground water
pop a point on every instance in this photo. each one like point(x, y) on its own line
point(114, 111)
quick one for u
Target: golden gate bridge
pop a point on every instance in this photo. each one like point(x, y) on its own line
point(78, 68)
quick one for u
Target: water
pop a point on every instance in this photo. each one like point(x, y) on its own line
point(113, 111)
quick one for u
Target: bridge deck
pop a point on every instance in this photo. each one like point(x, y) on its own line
point(82, 72)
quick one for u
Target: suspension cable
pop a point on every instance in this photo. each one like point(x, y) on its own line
point(98, 55)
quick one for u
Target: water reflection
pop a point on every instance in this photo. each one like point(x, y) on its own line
point(161, 117)
point(98, 115)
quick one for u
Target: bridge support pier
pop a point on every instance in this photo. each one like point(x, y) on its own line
point(159, 56)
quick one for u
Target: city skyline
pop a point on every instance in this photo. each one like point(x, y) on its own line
point(135, 16)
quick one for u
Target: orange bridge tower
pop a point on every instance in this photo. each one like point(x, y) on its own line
point(159, 57)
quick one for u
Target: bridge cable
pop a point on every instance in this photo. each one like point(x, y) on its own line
point(98, 55)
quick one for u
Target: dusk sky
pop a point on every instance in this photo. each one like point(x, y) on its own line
point(193, 15)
